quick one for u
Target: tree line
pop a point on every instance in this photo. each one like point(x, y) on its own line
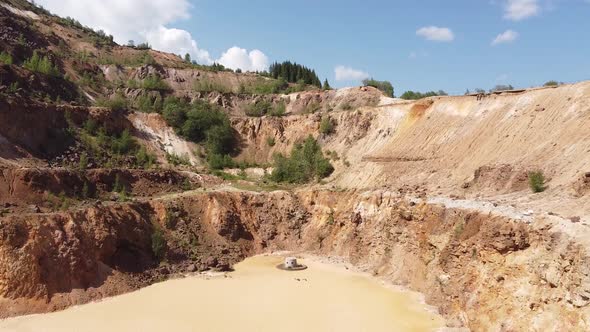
point(293, 72)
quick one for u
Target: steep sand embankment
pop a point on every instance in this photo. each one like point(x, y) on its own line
point(453, 146)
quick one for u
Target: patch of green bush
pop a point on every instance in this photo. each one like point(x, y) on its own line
point(5, 58)
point(312, 107)
point(280, 109)
point(116, 103)
point(159, 243)
point(205, 85)
point(147, 104)
point(204, 123)
point(41, 64)
point(415, 95)
point(385, 86)
point(13, 87)
point(326, 126)
point(270, 141)
point(155, 82)
point(178, 160)
point(219, 161)
point(305, 164)
point(144, 158)
point(259, 108)
point(537, 181)
point(267, 86)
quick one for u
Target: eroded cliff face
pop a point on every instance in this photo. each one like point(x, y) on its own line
point(484, 271)
point(431, 194)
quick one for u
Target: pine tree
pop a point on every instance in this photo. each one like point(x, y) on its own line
point(327, 85)
point(187, 58)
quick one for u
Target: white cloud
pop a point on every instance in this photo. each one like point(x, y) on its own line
point(435, 33)
point(344, 73)
point(236, 57)
point(177, 41)
point(145, 20)
point(507, 36)
point(517, 10)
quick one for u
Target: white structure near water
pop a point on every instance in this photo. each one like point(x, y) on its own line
point(291, 263)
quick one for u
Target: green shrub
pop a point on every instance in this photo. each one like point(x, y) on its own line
point(144, 158)
point(83, 163)
point(117, 186)
point(385, 86)
point(259, 108)
point(146, 104)
point(279, 110)
point(270, 141)
point(85, 191)
point(132, 84)
point(414, 95)
point(13, 87)
point(204, 123)
point(116, 103)
point(90, 126)
point(218, 161)
point(537, 181)
point(125, 143)
point(326, 126)
point(177, 160)
point(306, 163)
point(268, 86)
point(550, 83)
point(312, 107)
point(143, 46)
point(205, 85)
point(154, 82)
point(159, 244)
point(5, 58)
point(502, 87)
point(41, 64)
point(174, 112)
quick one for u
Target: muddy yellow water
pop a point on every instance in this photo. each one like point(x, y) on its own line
point(256, 297)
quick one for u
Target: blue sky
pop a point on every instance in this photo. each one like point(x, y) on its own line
point(543, 39)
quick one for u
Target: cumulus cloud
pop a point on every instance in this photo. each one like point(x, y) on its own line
point(344, 73)
point(507, 36)
point(148, 20)
point(435, 33)
point(177, 41)
point(125, 20)
point(236, 57)
point(517, 10)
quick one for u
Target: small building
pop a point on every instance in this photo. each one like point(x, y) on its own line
point(291, 263)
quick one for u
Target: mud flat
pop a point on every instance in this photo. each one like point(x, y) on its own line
point(256, 297)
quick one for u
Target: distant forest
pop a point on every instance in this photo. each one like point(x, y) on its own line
point(294, 73)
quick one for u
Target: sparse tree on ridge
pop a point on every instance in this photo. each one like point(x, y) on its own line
point(385, 86)
point(327, 85)
point(502, 87)
point(187, 58)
